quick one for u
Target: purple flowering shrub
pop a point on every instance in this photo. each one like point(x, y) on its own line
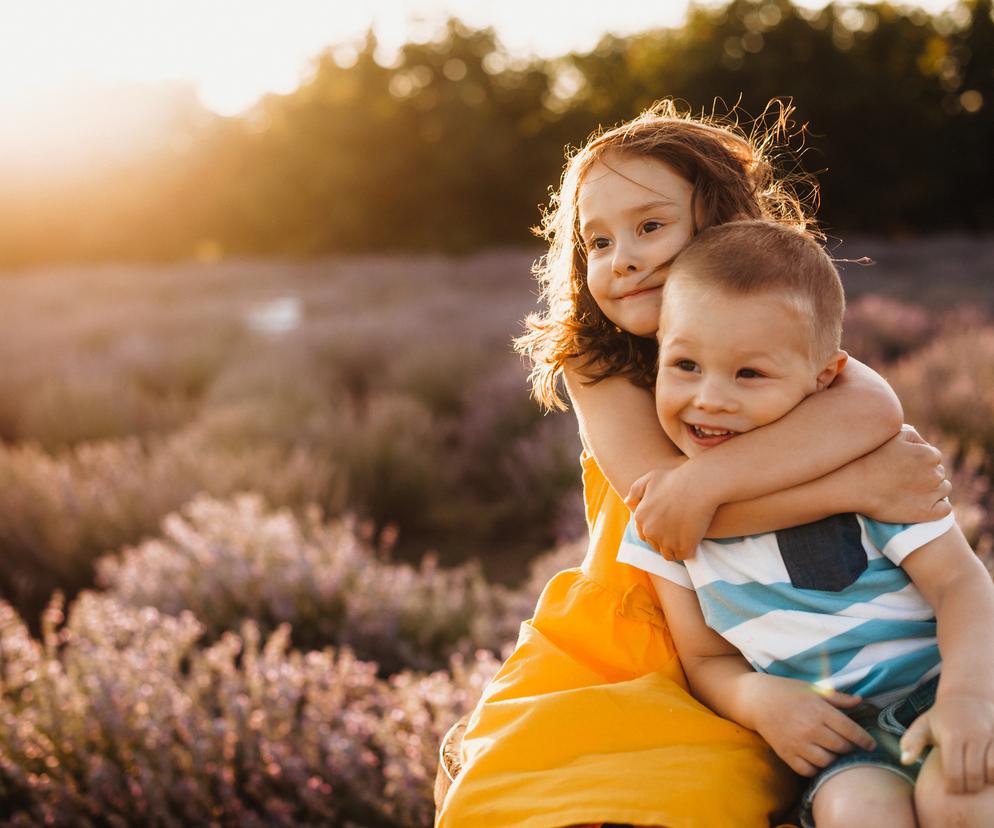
point(227, 562)
point(880, 329)
point(947, 387)
point(199, 688)
point(122, 716)
point(59, 513)
point(129, 389)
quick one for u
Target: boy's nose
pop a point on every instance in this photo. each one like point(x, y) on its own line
point(711, 398)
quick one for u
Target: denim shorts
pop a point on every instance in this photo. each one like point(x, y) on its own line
point(886, 726)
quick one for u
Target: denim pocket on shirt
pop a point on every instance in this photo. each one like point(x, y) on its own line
point(827, 554)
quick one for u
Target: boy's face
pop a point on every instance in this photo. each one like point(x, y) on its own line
point(635, 216)
point(729, 364)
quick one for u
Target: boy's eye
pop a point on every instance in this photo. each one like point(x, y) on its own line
point(686, 365)
point(749, 373)
point(650, 226)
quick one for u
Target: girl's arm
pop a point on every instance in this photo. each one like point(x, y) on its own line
point(679, 498)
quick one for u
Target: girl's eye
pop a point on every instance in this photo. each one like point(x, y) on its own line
point(650, 226)
point(598, 244)
point(686, 365)
point(749, 373)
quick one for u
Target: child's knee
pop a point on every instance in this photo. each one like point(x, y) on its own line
point(865, 797)
point(938, 809)
point(935, 806)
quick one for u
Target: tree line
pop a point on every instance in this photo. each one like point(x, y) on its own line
point(455, 145)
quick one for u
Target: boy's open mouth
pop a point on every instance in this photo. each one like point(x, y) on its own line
point(708, 436)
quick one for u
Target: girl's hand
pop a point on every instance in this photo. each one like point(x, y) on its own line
point(961, 726)
point(903, 481)
point(671, 512)
point(806, 726)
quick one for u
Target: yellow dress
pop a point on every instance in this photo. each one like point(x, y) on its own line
point(590, 721)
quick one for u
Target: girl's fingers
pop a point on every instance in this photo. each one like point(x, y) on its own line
point(645, 539)
point(911, 434)
point(636, 492)
point(940, 510)
point(642, 537)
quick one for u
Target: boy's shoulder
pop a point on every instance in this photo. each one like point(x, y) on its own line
point(897, 540)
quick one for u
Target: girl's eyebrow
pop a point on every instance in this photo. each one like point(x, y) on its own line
point(640, 208)
point(651, 205)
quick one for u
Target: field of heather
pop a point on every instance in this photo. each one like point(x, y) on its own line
point(268, 526)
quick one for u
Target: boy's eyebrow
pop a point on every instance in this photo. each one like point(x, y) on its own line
point(640, 208)
point(746, 356)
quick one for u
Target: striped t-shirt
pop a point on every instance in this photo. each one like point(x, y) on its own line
point(826, 602)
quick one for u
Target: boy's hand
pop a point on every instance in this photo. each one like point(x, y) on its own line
point(903, 481)
point(805, 725)
point(671, 514)
point(961, 726)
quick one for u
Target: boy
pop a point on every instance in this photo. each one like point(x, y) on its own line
point(750, 325)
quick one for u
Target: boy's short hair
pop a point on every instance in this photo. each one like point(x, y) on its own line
point(757, 256)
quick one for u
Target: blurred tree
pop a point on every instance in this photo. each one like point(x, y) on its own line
point(455, 145)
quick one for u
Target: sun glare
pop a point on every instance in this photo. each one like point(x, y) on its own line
point(231, 52)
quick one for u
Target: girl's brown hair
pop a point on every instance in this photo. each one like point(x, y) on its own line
point(732, 177)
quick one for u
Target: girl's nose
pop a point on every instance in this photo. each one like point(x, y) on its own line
point(626, 260)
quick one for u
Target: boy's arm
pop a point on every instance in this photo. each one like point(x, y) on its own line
point(961, 723)
point(804, 726)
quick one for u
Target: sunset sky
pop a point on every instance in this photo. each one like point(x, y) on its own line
point(237, 50)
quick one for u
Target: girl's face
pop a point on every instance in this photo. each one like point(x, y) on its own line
point(635, 216)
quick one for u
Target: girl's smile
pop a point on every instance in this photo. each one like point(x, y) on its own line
point(635, 216)
point(642, 292)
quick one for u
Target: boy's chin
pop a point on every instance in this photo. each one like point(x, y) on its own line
point(684, 443)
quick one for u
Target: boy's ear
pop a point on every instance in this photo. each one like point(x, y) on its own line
point(832, 368)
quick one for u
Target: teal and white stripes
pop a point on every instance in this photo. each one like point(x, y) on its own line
point(875, 638)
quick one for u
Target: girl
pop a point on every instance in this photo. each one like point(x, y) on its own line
point(589, 719)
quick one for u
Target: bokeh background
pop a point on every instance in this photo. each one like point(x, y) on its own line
point(273, 495)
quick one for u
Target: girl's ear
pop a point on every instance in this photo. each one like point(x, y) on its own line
point(832, 368)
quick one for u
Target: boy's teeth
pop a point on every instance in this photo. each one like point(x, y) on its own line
point(709, 432)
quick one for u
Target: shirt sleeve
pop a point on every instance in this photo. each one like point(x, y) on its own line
point(898, 540)
point(636, 552)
